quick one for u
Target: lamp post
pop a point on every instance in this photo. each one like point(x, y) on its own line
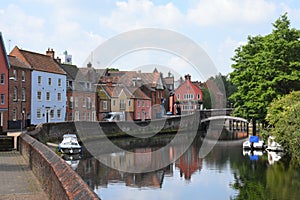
point(21, 84)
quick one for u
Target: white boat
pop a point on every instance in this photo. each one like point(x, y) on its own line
point(69, 144)
point(272, 145)
point(253, 143)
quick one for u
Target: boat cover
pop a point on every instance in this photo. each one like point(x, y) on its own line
point(254, 139)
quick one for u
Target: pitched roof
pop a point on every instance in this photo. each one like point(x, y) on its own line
point(4, 50)
point(138, 93)
point(16, 62)
point(37, 61)
point(127, 77)
point(71, 70)
point(115, 91)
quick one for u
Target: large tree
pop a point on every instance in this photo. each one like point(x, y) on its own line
point(265, 68)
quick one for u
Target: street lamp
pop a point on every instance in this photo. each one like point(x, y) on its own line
point(14, 79)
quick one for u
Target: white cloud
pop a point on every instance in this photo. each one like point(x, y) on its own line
point(21, 27)
point(142, 13)
point(224, 12)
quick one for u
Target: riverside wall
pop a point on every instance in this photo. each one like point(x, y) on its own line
point(53, 132)
point(56, 176)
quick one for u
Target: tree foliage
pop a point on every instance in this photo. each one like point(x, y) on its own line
point(265, 68)
point(284, 116)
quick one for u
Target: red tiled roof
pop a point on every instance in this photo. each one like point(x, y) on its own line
point(138, 93)
point(39, 62)
point(126, 77)
point(14, 61)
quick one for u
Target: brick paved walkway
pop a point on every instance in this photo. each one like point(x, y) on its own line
point(17, 181)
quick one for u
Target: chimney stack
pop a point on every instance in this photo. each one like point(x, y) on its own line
point(50, 53)
point(89, 65)
point(187, 77)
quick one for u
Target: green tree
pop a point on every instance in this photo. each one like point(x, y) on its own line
point(265, 68)
point(284, 116)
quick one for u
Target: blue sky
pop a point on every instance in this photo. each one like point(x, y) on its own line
point(78, 26)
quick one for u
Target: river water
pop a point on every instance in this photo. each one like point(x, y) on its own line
point(226, 172)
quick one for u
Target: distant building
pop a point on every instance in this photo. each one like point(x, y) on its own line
point(81, 95)
point(4, 67)
point(48, 86)
point(187, 97)
point(151, 84)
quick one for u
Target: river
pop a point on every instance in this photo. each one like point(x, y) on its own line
point(226, 172)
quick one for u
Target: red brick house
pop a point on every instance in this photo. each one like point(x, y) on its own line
point(4, 67)
point(188, 96)
point(142, 105)
point(19, 93)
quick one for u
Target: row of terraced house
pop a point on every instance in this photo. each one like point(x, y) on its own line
point(40, 88)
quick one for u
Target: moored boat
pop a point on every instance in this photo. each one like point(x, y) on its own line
point(69, 144)
point(272, 145)
point(253, 143)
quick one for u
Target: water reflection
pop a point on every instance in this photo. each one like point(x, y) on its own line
point(225, 173)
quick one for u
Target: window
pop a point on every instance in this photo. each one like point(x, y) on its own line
point(147, 104)
point(89, 103)
point(76, 103)
point(122, 104)
point(14, 114)
point(77, 116)
point(84, 102)
point(2, 99)
point(48, 96)
point(71, 102)
point(71, 116)
point(23, 76)
point(89, 116)
point(52, 114)
point(114, 102)
point(143, 104)
point(138, 103)
point(58, 113)
point(23, 94)
point(138, 115)
point(39, 80)
point(15, 75)
point(59, 82)
point(84, 116)
point(39, 95)
point(59, 96)
point(15, 94)
point(178, 96)
point(2, 79)
point(39, 113)
point(129, 103)
point(104, 105)
point(49, 81)
point(198, 96)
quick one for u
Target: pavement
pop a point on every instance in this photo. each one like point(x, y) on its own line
point(17, 181)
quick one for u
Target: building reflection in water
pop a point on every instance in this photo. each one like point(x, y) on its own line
point(96, 174)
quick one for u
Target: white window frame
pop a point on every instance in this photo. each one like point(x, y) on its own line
point(48, 96)
point(39, 80)
point(39, 95)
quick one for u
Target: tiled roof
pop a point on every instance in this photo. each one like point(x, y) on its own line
point(92, 74)
point(127, 78)
point(71, 70)
point(41, 62)
point(16, 62)
point(138, 93)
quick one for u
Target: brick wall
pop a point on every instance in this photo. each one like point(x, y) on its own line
point(57, 178)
